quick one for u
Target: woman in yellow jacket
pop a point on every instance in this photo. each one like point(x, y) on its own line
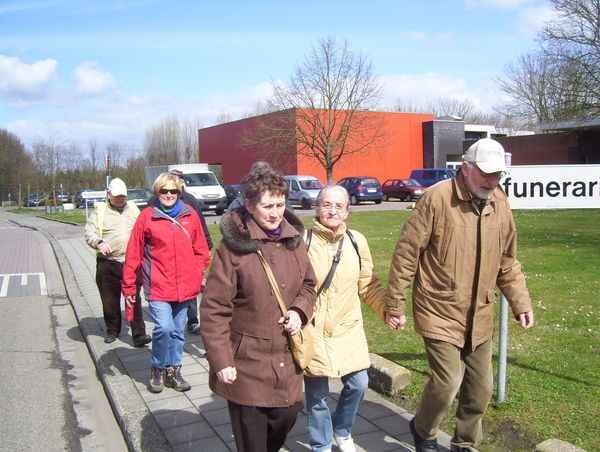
point(340, 343)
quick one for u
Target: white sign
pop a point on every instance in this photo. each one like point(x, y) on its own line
point(93, 194)
point(552, 186)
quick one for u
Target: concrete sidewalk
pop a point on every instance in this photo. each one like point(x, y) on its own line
point(196, 420)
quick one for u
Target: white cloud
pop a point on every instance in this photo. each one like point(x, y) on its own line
point(125, 117)
point(532, 19)
point(91, 81)
point(25, 82)
point(419, 89)
point(25, 86)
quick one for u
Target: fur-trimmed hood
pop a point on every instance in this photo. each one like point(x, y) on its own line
point(236, 228)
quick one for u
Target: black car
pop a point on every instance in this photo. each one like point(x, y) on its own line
point(81, 202)
point(362, 189)
point(34, 200)
point(232, 192)
point(140, 196)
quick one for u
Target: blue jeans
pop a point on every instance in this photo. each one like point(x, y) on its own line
point(168, 337)
point(322, 424)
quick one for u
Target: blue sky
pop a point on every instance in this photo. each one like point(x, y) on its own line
point(108, 70)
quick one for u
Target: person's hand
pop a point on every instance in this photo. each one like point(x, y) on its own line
point(227, 375)
point(394, 322)
point(526, 320)
point(130, 300)
point(104, 248)
point(292, 323)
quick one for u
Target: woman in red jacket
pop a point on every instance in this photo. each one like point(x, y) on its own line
point(168, 244)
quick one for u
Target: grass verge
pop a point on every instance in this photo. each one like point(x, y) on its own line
point(553, 374)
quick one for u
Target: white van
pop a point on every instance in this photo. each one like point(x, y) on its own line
point(304, 190)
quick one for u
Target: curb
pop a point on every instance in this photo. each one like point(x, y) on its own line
point(130, 409)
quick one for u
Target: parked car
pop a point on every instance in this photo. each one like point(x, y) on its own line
point(64, 196)
point(404, 189)
point(33, 200)
point(362, 189)
point(140, 196)
point(303, 190)
point(232, 192)
point(81, 202)
point(429, 176)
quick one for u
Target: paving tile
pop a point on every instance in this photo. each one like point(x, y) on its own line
point(217, 417)
point(189, 432)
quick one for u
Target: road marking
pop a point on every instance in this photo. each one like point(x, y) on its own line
point(24, 277)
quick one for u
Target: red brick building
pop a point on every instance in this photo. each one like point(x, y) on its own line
point(415, 141)
point(222, 145)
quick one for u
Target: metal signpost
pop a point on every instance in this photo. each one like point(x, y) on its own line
point(91, 194)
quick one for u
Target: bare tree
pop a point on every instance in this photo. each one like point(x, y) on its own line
point(326, 112)
point(541, 89)
point(561, 81)
point(94, 153)
point(461, 108)
point(223, 117)
point(189, 139)
point(15, 165)
point(162, 143)
point(51, 154)
point(259, 109)
point(572, 43)
point(172, 141)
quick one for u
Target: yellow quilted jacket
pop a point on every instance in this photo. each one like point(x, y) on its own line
point(339, 337)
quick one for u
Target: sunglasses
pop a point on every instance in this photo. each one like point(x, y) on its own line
point(164, 191)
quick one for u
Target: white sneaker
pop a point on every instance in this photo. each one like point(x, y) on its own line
point(345, 443)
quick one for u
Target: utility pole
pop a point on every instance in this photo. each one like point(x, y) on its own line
point(107, 170)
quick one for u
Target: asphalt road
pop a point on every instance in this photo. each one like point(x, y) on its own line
point(394, 204)
point(51, 397)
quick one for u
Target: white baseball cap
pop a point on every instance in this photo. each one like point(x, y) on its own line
point(487, 154)
point(117, 187)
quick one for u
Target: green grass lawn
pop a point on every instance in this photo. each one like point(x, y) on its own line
point(72, 215)
point(553, 374)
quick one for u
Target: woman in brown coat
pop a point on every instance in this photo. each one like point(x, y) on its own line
point(243, 328)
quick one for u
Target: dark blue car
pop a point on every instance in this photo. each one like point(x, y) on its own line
point(34, 200)
point(362, 189)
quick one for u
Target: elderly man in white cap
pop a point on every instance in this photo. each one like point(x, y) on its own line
point(458, 244)
point(107, 231)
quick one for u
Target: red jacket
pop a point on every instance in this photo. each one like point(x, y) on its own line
point(172, 264)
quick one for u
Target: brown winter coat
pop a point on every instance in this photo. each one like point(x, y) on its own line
point(239, 312)
point(457, 255)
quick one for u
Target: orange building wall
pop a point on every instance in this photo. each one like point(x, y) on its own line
point(221, 145)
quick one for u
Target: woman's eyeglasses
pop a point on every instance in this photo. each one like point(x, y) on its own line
point(164, 191)
point(338, 207)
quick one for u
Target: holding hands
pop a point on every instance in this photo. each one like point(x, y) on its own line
point(394, 322)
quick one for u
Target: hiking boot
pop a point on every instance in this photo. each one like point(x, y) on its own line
point(345, 443)
point(156, 380)
point(141, 340)
point(422, 445)
point(175, 380)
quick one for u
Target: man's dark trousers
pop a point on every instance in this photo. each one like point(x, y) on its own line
point(108, 279)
